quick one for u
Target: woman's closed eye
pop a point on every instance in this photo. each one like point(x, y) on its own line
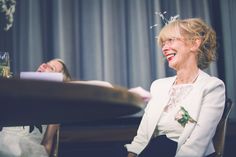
point(51, 67)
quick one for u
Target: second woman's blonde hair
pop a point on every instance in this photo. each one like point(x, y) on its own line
point(65, 71)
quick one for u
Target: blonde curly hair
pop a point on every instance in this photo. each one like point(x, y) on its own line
point(192, 29)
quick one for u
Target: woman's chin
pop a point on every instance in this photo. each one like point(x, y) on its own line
point(172, 66)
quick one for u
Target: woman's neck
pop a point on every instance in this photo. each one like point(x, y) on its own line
point(187, 76)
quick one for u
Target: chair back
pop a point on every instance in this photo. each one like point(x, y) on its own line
point(219, 137)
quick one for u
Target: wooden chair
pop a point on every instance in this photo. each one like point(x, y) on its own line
point(55, 146)
point(51, 139)
point(219, 137)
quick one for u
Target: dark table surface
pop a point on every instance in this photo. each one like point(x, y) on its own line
point(31, 102)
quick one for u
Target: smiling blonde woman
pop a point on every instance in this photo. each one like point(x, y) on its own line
point(182, 115)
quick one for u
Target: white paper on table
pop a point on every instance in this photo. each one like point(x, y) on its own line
point(47, 76)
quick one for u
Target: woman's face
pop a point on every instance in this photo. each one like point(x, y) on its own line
point(51, 66)
point(178, 52)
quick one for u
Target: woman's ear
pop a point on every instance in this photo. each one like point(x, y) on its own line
point(196, 44)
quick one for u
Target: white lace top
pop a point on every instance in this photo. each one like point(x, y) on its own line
point(167, 124)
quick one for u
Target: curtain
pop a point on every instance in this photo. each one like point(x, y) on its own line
point(228, 14)
point(111, 40)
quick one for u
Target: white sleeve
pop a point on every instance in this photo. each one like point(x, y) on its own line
point(141, 140)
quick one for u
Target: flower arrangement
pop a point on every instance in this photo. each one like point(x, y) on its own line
point(183, 117)
point(5, 65)
point(7, 7)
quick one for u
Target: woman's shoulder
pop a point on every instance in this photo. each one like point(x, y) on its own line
point(209, 79)
point(208, 83)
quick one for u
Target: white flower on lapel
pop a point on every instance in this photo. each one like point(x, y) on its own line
point(183, 117)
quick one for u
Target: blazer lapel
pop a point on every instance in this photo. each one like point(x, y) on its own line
point(158, 103)
point(193, 105)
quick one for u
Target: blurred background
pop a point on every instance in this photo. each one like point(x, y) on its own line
point(111, 40)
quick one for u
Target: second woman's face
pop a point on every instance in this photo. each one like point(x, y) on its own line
point(51, 66)
point(178, 52)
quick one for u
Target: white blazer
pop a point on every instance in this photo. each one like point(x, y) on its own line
point(205, 104)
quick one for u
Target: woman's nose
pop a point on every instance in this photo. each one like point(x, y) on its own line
point(165, 49)
point(44, 65)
